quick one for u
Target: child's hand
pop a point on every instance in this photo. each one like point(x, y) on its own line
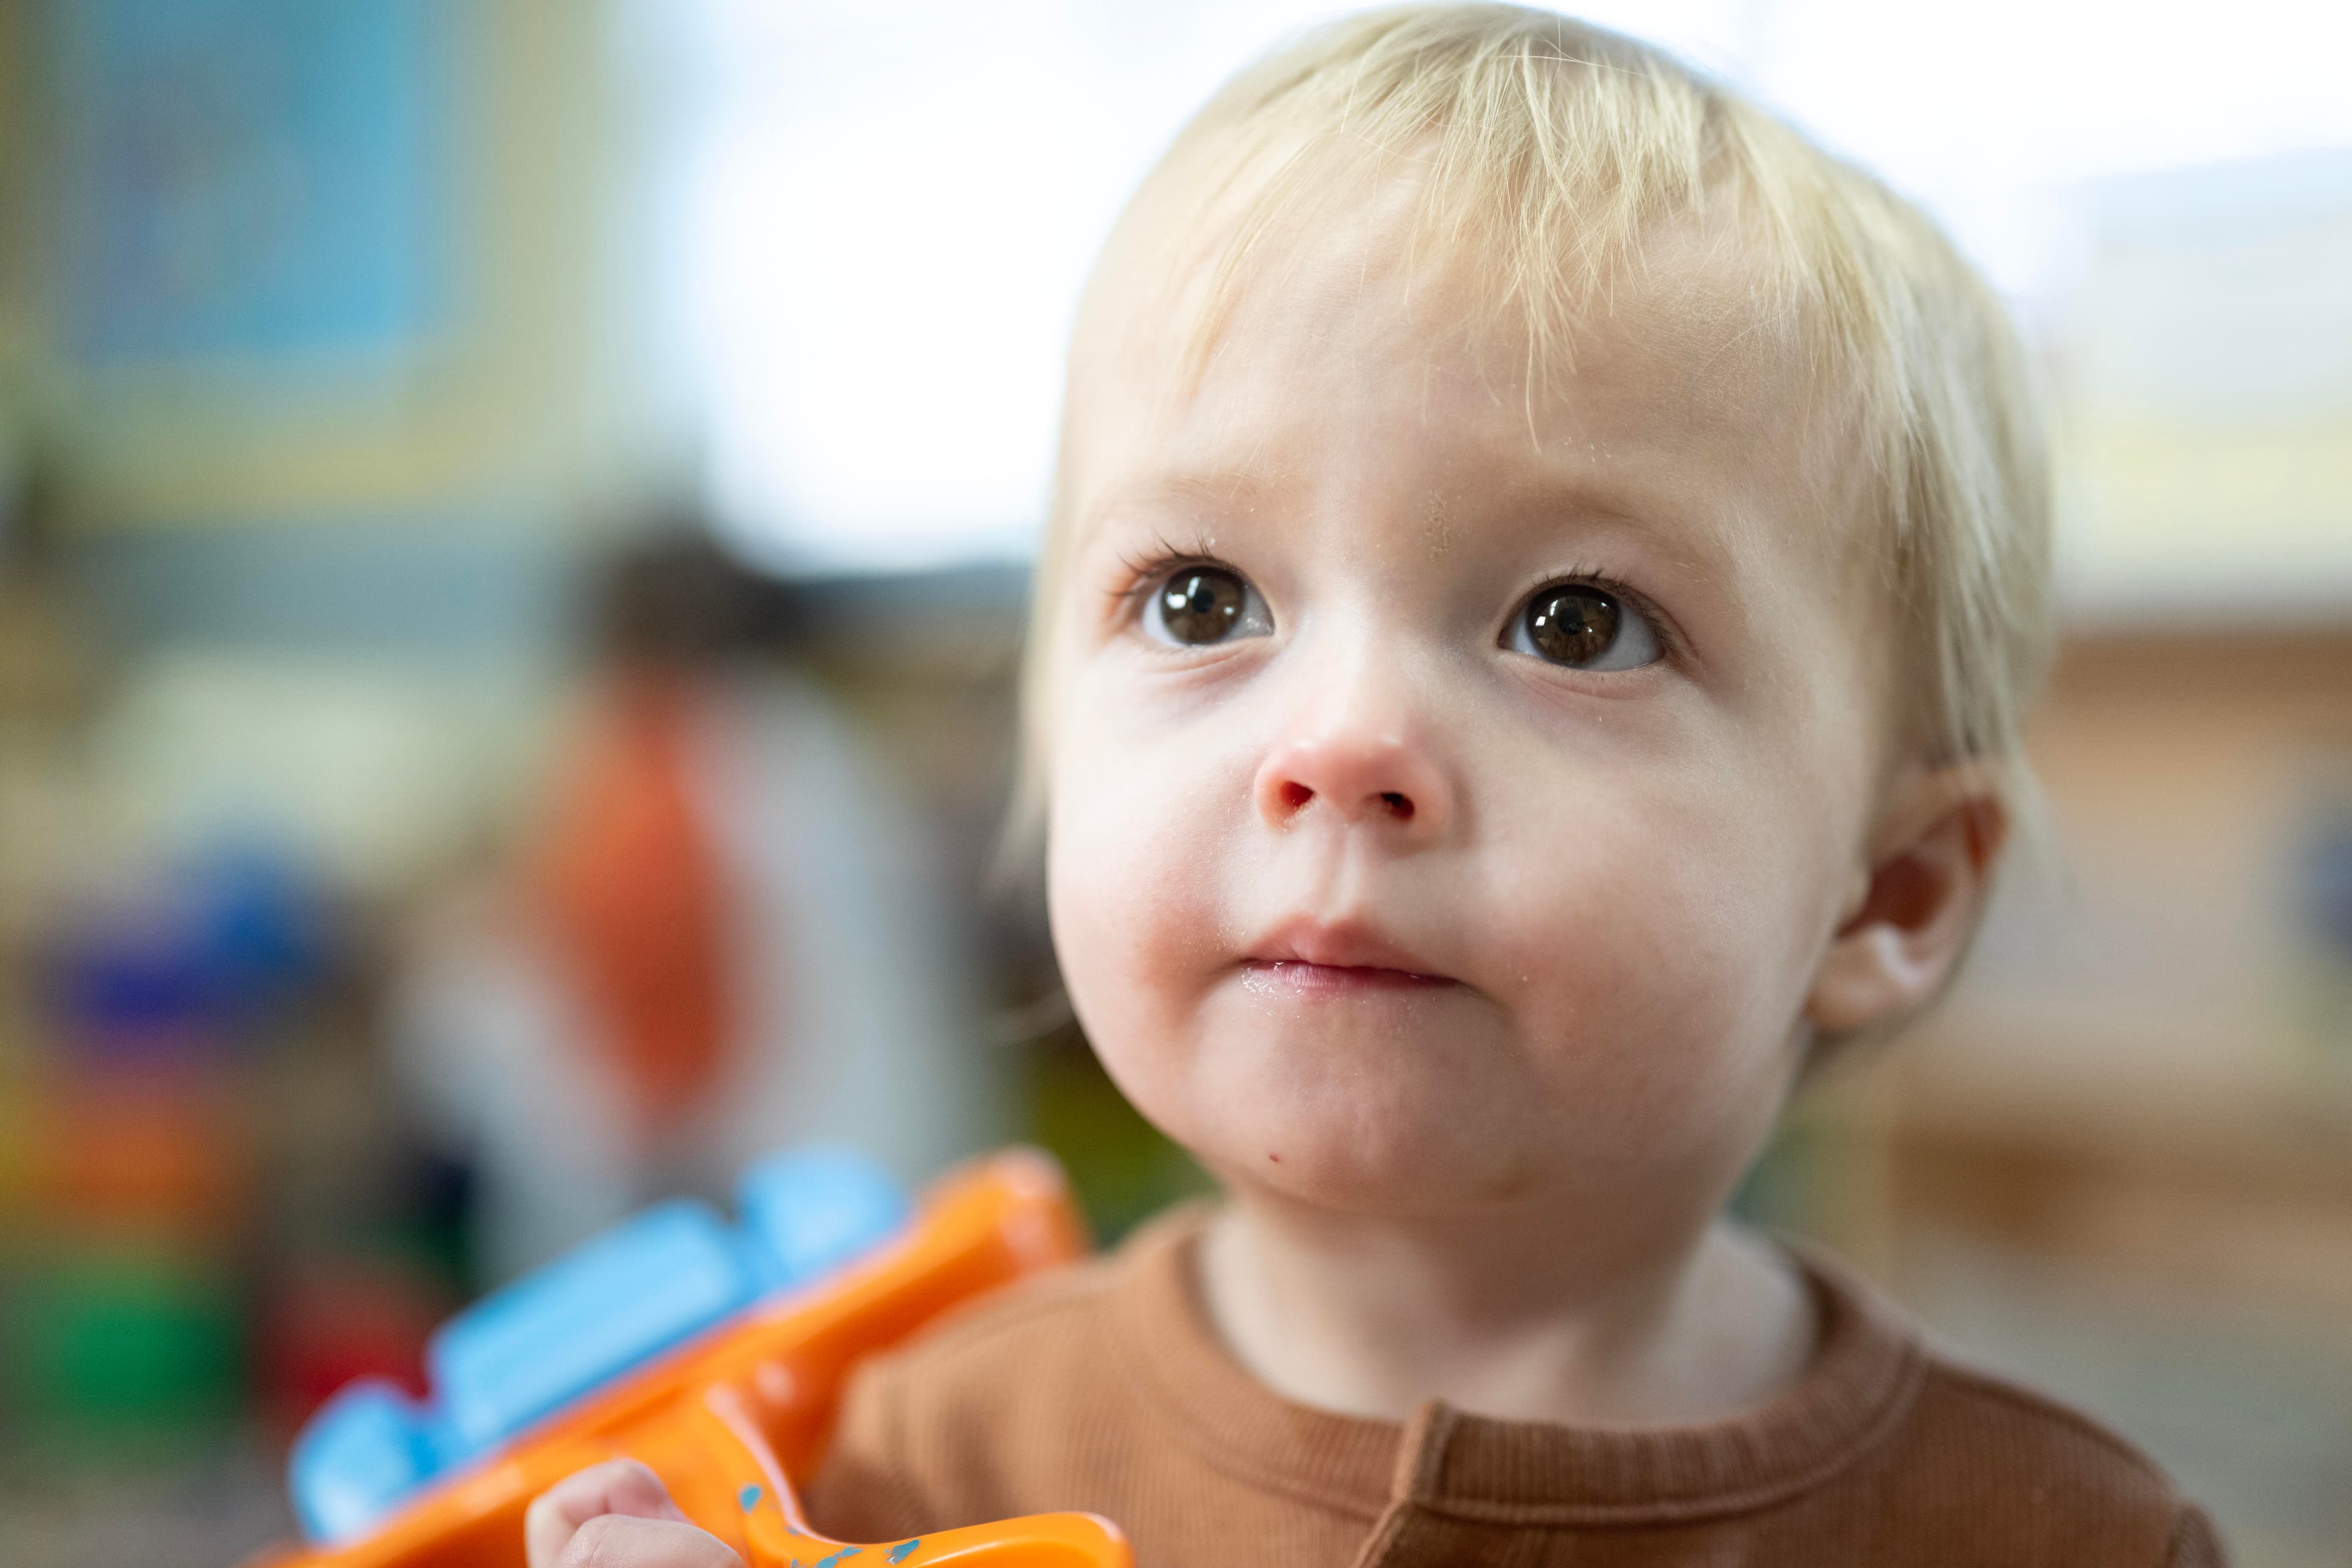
point(616, 1515)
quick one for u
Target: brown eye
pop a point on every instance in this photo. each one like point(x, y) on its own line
point(1584, 627)
point(1572, 626)
point(1197, 605)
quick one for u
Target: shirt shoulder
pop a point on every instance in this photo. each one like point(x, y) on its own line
point(992, 1379)
point(2030, 1479)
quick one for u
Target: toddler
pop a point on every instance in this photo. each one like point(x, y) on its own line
point(1527, 659)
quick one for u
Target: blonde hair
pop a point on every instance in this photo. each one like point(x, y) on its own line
point(1548, 148)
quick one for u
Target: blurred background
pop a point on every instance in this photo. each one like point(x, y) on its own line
point(513, 523)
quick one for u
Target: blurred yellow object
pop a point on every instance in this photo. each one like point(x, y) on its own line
point(730, 1419)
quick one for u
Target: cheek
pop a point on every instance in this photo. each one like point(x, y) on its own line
point(1660, 952)
point(1135, 838)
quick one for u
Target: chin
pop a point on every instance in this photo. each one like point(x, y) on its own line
point(1351, 1187)
point(1350, 1117)
point(1345, 1183)
point(1356, 1158)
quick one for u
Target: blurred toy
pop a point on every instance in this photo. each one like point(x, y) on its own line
point(134, 1178)
point(117, 1347)
point(713, 1353)
point(190, 964)
point(330, 1319)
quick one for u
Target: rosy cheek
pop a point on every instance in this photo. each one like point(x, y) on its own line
point(1121, 914)
point(1644, 968)
point(1127, 901)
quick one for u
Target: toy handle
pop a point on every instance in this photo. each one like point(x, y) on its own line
point(775, 1533)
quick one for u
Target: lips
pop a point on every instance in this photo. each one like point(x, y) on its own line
point(1340, 957)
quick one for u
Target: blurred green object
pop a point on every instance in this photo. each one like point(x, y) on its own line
point(1122, 1168)
point(123, 1346)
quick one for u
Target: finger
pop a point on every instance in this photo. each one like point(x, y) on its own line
point(615, 1487)
point(618, 1540)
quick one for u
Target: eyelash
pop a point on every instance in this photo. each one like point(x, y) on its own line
point(1141, 573)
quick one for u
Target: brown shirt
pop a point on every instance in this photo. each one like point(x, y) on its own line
point(1104, 1388)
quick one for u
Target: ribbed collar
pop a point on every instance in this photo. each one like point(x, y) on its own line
point(1862, 1380)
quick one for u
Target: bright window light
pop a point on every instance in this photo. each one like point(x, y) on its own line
point(884, 211)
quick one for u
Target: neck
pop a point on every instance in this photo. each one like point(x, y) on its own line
point(1374, 1315)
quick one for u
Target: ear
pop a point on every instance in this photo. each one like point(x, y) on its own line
point(1931, 866)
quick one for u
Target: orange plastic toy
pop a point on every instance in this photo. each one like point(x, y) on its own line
point(728, 1419)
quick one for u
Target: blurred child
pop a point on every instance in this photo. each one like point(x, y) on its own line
point(725, 931)
point(1528, 660)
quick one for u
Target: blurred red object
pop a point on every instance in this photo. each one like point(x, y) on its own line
point(327, 1321)
point(626, 883)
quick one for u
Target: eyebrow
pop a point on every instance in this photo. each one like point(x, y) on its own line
point(1225, 491)
point(1620, 502)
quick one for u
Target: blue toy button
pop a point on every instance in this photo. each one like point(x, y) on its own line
point(364, 1451)
point(812, 1210)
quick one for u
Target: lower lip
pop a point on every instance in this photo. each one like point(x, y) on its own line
point(1294, 977)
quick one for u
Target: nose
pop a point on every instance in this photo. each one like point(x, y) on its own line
point(1362, 774)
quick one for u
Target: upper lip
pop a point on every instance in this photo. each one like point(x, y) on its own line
point(1337, 944)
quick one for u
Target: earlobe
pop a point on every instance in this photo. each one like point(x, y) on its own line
point(1930, 868)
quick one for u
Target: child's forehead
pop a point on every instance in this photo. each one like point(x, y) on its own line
point(1249, 208)
point(1201, 277)
point(1671, 369)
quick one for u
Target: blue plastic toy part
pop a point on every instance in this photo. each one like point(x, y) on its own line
point(599, 1309)
point(366, 1449)
point(812, 1210)
point(608, 1305)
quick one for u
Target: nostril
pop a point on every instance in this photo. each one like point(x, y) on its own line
point(1398, 807)
point(1296, 795)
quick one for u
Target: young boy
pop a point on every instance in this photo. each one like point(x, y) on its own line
point(1527, 659)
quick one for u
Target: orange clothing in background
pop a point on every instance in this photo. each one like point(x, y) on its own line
point(624, 881)
point(1105, 1389)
